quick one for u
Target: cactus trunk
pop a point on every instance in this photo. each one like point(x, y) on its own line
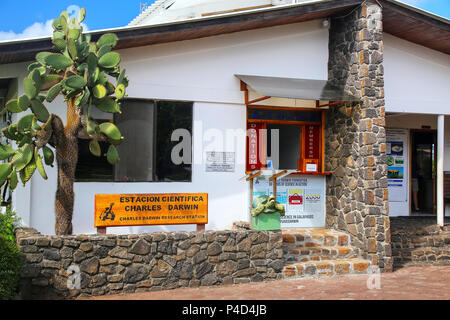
point(67, 158)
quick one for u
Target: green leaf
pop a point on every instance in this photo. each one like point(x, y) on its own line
point(82, 15)
point(9, 132)
point(84, 98)
point(60, 44)
point(95, 149)
point(35, 125)
point(22, 157)
point(33, 66)
point(5, 170)
point(30, 87)
point(120, 91)
point(24, 102)
point(76, 82)
point(58, 61)
point(51, 78)
point(72, 47)
point(24, 124)
point(109, 60)
point(112, 155)
point(40, 57)
point(27, 172)
point(103, 50)
point(13, 180)
point(121, 77)
point(25, 139)
point(35, 75)
point(102, 78)
point(65, 15)
point(110, 88)
point(41, 97)
point(6, 151)
point(13, 106)
point(42, 71)
point(53, 92)
point(39, 165)
point(49, 157)
point(110, 130)
point(74, 33)
point(39, 110)
point(91, 127)
point(99, 91)
point(109, 39)
point(57, 24)
point(108, 105)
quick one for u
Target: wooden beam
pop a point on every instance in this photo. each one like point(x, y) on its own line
point(259, 99)
point(254, 175)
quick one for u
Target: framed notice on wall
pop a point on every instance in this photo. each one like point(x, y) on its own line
point(113, 210)
point(220, 161)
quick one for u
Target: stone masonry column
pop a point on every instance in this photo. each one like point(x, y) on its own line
point(357, 196)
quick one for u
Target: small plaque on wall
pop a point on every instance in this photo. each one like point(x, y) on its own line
point(220, 161)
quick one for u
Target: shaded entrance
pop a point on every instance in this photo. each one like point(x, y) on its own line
point(423, 172)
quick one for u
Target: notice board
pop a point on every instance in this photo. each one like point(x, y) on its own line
point(397, 161)
point(303, 197)
point(113, 210)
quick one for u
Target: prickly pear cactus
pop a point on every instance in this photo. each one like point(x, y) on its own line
point(87, 74)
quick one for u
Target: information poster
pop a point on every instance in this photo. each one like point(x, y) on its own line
point(396, 159)
point(302, 196)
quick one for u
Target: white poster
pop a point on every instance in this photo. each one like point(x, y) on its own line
point(220, 161)
point(302, 196)
point(397, 163)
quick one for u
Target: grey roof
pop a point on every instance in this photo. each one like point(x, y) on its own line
point(293, 88)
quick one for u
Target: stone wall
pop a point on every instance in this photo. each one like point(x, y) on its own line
point(419, 241)
point(355, 141)
point(111, 264)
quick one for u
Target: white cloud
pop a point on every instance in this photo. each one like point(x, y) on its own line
point(39, 29)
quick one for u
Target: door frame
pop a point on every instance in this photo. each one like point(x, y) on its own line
point(411, 132)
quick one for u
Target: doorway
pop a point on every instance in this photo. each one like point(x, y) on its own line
point(423, 172)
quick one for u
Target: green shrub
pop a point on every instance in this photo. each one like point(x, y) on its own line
point(11, 259)
point(8, 222)
point(11, 262)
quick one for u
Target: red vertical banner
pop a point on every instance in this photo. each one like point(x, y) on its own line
point(312, 142)
point(253, 159)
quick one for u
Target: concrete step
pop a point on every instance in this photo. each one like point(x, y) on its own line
point(327, 268)
point(309, 237)
point(303, 254)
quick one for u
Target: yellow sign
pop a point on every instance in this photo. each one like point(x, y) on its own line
point(150, 209)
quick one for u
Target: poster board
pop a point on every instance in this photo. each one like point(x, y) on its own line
point(397, 152)
point(113, 210)
point(302, 195)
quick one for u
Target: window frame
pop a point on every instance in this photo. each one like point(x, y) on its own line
point(301, 163)
point(154, 124)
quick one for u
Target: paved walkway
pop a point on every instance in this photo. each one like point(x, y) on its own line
point(424, 282)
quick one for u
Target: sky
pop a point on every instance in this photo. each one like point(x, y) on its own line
point(33, 18)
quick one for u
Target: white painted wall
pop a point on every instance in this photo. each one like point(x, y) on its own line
point(201, 71)
point(416, 78)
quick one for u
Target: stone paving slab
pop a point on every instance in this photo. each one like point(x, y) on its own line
point(415, 282)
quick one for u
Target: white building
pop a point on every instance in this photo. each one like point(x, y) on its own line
point(192, 51)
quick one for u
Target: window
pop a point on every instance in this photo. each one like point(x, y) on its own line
point(285, 138)
point(146, 152)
